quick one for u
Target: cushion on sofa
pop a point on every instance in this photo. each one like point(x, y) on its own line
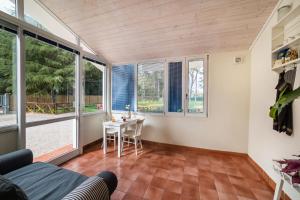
point(44, 181)
point(10, 191)
point(94, 188)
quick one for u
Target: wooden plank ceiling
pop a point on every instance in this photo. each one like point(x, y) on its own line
point(131, 30)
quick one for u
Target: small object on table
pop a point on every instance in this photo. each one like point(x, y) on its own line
point(289, 172)
point(113, 119)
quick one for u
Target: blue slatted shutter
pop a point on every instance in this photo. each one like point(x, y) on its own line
point(175, 87)
point(123, 80)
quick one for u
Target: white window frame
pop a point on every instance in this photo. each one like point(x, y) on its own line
point(104, 84)
point(205, 89)
point(163, 61)
point(177, 114)
point(185, 82)
point(21, 126)
point(13, 126)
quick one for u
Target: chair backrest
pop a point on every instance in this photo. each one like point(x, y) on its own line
point(139, 127)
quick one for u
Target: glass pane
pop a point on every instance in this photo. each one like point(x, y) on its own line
point(196, 86)
point(175, 87)
point(8, 88)
point(150, 87)
point(93, 86)
point(50, 78)
point(8, 6)
point(123, 82)
point(39, 17)
point(51, 140)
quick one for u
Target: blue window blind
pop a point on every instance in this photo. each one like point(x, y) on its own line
point(175, 87)
point(123, 87)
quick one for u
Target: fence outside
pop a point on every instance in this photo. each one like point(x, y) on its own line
point(63, 99)
point(8, 101)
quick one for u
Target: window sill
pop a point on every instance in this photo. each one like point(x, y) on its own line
point(168, 114)
point(200, 115)
point(150, 114)
point(93, 113)
point(7, 129)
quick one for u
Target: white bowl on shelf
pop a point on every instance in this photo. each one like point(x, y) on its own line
point(282, 11)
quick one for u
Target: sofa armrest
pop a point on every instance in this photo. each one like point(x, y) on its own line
point(93, 188)
point(110, 179)
point(15, 160)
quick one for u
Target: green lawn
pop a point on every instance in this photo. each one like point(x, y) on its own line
point(90, 108)
point(195, 106)
point(157, 106)
point(150, 106)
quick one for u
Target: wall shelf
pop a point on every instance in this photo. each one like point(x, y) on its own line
point(280, 33)
point(292, 44)
point(287, 64)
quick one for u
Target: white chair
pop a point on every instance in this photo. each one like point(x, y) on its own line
point(111, 135)
point(134, 133)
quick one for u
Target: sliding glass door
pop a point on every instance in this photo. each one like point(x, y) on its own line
point(50, 99)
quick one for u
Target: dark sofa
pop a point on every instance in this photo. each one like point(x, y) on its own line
point(44, 181)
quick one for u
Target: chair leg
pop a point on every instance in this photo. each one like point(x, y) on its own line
point(135, 144)
point(115, 142)
point(122, 143)
point(141, 143)
point(128, 140)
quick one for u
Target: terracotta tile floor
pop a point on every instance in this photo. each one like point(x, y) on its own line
point(161, 172)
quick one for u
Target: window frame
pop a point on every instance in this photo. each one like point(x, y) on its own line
point(20, 24)
point(77, 67)
point(163, 61)
point(205, 89)
point(185, 80)
point(104, 91)
point(14, 80)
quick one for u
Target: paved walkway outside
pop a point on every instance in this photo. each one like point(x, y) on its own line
point(45, 138)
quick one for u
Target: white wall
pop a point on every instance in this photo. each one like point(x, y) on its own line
point(226, 127)
point(91, 128)
point(264, 143)
point(8, 141)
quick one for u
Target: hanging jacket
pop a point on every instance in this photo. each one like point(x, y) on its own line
point(284, 120)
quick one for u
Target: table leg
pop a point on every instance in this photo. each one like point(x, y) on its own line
point(278, 190)
point(119, 142)
point(104, 141)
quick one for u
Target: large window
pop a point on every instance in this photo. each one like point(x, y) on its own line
point(93, 86)
point(38, 76)
point(7, 78)
point(8, 6)
point(196, 86)
point(36, 15)
point(123, 84)
point(150, 87)
point(50, 78)
point(175, 87)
